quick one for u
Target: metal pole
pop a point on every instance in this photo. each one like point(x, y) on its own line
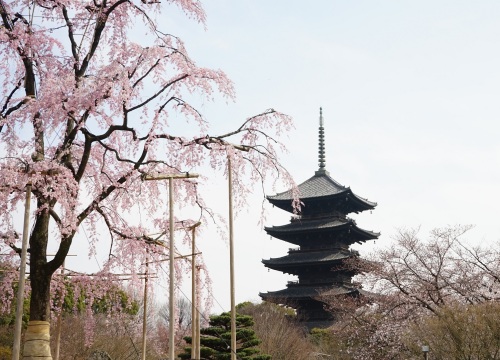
point(198, 336)
point(231, 261)
point(171, 308)
point(59, 322)
point(144, 315)
point(16, 349)
point(193, 295)
point(194, 302)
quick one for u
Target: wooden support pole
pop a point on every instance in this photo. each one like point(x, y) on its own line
point(145, 314)
point(197, 322)
point(171, 308)
point(193, 296)
point(231, 261)
point(194, 305)
point(16, 349)
point(59, 322)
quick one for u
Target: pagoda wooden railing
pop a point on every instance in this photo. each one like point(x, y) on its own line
point(321, 216)
point(321, 247)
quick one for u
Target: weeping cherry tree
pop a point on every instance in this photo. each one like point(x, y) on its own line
point(94, 95)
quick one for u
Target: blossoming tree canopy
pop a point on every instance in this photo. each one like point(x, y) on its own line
point(87, 109)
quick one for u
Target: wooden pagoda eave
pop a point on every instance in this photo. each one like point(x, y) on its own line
point(306, 292)
point(293, 234)
point(356, 203)
point(365, 235)
point(307, 258)
point(296, 269)
point(307, 226)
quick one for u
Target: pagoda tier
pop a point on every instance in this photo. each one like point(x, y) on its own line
point(309, 301)
point(321, 194)
point(324, 235)
point(295, 292)
point(320, 232)
point(306, 263)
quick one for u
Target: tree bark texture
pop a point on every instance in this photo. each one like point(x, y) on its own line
point(39, 276)
point(37, 337)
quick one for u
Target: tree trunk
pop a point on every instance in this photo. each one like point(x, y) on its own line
point(37, 337)
point(37, 341)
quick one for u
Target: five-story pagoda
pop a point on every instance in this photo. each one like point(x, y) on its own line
point(323, 233)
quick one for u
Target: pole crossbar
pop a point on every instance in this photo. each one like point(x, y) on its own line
point(177, 257)
point(169, 176)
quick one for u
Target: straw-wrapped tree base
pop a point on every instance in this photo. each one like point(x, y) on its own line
point(37, 341)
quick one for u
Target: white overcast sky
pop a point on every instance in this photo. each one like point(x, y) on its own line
point(410, 94)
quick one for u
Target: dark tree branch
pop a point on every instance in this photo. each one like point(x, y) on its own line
point(6, 111)
point(74, 46)
point(159, 92)
point(102, 18)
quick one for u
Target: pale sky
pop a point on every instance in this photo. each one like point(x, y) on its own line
point(410, 94)
point(409, 91)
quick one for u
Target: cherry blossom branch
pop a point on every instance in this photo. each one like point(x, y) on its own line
point(479, 262)
point(69, 24)
point(245, 123)
point(5, 112)
point(66, 241)
point(99, 28)
point(145, 75)
point(114, 230)
point(7, 21)
point(29, 80)
point(158, 93)
point(105, 193)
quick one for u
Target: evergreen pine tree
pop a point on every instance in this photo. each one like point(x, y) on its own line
point(215, 340)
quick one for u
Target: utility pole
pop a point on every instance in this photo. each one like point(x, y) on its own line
point(16, 349)
point(194, 304)
point(231, 250)
point(171, 300)
point(145, 307)
point(59, 322)
point(231, 261)
point(197, 322)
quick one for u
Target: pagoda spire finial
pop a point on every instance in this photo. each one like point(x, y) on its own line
point(321, 139)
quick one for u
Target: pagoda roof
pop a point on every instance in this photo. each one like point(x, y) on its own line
point(308, 226)
point(322, 256)
point(298, 292)
point(321, 185)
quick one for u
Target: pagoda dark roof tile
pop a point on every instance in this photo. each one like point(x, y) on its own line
point(317, 186)
point(321, 185)
point(320, 256)
point(309, 225)
point(298, 292)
